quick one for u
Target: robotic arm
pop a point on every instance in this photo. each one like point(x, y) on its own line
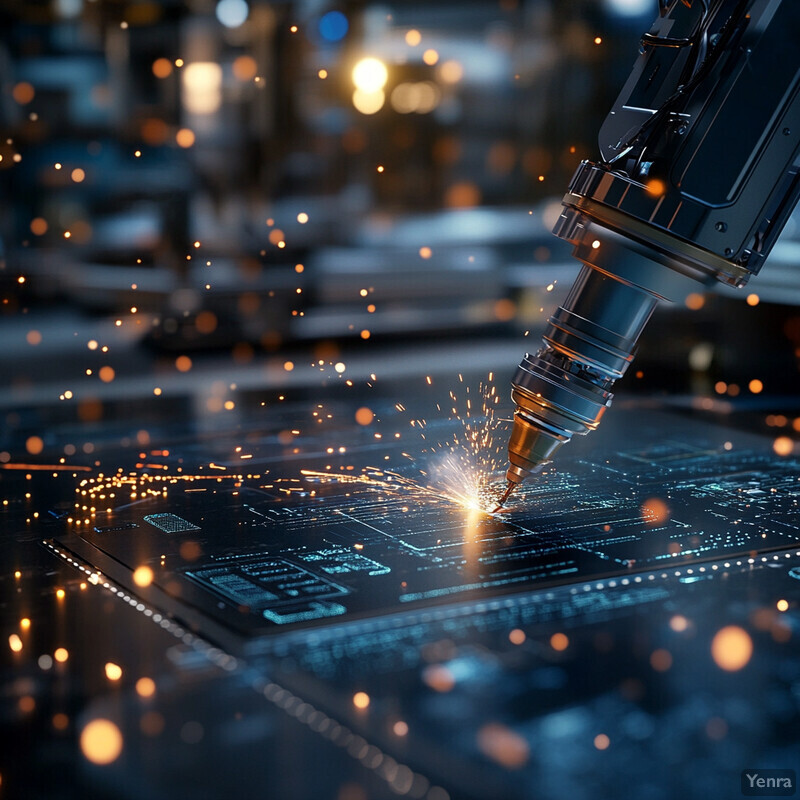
point(699, 171)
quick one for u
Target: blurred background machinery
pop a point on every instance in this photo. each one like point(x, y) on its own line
point(240, 178)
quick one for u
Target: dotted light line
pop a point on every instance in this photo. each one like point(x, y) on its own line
point(612, 584)
point(401, 779)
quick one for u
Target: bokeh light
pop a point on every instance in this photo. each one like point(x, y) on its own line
point(333, 26)
point(370, 75)
point(101, 741)
point(232, 13)
point(368, 103)
point(731, 648)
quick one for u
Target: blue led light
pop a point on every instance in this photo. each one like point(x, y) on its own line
point(232, 13)
point(333, 26)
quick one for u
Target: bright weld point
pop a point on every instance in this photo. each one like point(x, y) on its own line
point(782, 605)
point(197, 244)
point(595, 244)
point(21, 279)
point(322, 74)
point(302, 217)
point(57, 165)
point(655, 187)
point(598, 40)
point(137, 153)
point(516, 636)
point(101, 741)
point(67, 234)
point(17, 574)
point(15, 643)
point(25, 623)
point(340, 367)
point(559, 641)
point(60, 594)
point(363, 292)
point(143, 576)
point(145, 687)
point(293, 29)
point(425, 252)
point(731, 648)
point(783, 446)
point(755, 386)
point(361, 700)
point(601, 741)
point(753, 299)
point(113, 671)
point(288, 365)
point(179, 62)
point(413, 37)
point(61, 654)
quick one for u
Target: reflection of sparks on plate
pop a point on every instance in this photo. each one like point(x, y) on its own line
point(460, 470)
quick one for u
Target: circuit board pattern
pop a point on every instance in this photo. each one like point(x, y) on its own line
point(258, 558)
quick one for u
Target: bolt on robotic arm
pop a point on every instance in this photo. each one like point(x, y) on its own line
point(699, 171)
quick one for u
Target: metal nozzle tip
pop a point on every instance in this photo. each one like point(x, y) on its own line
point(506, 494)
